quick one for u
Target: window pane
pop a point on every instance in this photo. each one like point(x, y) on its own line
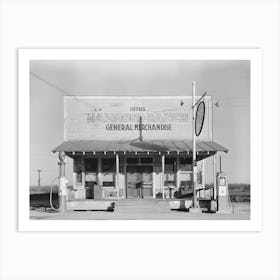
point(170, 171)
point(108, 170)
point(186, 164)
point(108, 165)
point(186, 179)
point(170, 165)
point(146, 160)
point(109, 184)
point(132, 160)
point(91, 164)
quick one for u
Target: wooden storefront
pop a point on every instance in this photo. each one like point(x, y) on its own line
point(115, 143)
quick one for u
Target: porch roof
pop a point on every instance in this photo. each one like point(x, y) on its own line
point(138, 146)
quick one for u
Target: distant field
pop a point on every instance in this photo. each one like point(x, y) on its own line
point(43, 189)
point(239, 192)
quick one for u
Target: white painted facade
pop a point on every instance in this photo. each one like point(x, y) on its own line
point(118, 118)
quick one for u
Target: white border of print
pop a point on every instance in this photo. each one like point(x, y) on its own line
point(254, 55)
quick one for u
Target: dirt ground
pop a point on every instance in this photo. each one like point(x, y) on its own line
point(241, 211)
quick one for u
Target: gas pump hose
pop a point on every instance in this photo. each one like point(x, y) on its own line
point(51, 204)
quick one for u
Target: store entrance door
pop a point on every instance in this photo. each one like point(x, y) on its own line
point(139, 180)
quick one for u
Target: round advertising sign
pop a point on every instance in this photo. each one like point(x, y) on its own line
point(199, 118)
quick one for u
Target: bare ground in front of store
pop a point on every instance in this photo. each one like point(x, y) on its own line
point(134, 211)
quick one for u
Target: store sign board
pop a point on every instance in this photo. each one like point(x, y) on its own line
point(90, 177)
point(122, 118)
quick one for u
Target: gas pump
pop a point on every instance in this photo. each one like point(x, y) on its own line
point(224, 204)
point(62, 182)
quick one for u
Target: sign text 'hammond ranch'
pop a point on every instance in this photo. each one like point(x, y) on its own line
point(89, 117)
point(131, 121)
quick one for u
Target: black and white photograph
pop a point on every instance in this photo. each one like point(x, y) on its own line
point(140, 139)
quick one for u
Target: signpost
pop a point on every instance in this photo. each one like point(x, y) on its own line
point(198, 115)
point(194, 146)
point(39, 179)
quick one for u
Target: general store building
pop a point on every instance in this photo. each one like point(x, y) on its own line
point(116, 142)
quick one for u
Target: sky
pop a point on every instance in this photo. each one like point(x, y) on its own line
point(227, 82)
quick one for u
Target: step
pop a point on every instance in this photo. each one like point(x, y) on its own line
point(91, 205)
point(146, 211)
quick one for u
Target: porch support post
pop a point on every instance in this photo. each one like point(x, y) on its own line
point(214, 178)
point(154, 183)
point(99, 171)
point(178, 172)
point(83, 174)
point(74, 173)
point(162, 174)
point(117, 175)
point(203, 177)
point(74, 179)
point(125, 176)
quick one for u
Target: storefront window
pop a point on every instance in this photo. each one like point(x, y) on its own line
point(91, 164)
point(186, 164)
point(140, 160)
point(109, 172)
point(170, 171)
point(170, 165)
point(78, 167)
point(108, 165)
point(132, 160)
point(186, 179)
point(146, 160)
